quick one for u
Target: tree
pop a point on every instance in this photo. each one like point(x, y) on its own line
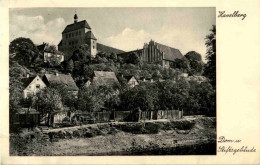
point(195, 62)
point(23, 51)
point(182, 64)
point(173, 95)
point(210, 68)
point(69, 66)
point(142, 96)
point(201, 100)
point(133, 58)
point(90, 100)
point(193, 56)
point(48, 102)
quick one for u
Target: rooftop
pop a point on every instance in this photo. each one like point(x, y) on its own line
point(76, 26)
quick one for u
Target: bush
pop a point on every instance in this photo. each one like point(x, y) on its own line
point(181, 125)
point(77, 133)
point(152, 128)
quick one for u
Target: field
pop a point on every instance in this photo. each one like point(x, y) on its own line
point(193, 135)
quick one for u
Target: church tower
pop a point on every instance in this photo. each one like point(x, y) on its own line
point(76, 34)
point(75, 18)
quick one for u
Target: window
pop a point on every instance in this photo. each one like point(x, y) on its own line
point(29, 94)
point(93, 47)
point(66, 35)
point(37, 86)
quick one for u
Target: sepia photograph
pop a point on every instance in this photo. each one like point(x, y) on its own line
point(106, 81)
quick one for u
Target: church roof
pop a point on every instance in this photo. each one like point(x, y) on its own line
point(90, 35)
point(169, 53)
point(76, 26)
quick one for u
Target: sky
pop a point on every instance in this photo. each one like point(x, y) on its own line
point(123, 28)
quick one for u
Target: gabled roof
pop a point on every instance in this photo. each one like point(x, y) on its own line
point(45, 47)
point(60, 43)
point(129, 77)
point(76, 26)
point(27, 81)
point(104, 78)
point(62, 79)
point(41, 47)
point(90, 35)
point(169, 53)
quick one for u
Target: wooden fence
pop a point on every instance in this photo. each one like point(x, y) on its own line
point(106, 116)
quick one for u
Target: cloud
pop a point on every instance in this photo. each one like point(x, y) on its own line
point(181, 38)
point(36, 28)
point(128, 39)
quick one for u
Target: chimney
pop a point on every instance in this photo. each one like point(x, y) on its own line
point(27, 76)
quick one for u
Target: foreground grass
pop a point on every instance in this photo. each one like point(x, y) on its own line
point(193, 137)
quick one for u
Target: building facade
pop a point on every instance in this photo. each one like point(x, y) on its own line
point(50, 55)
point(32, 86)
point(154, 52)
point(76, 34)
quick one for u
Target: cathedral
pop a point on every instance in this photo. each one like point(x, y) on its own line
point(154, 52)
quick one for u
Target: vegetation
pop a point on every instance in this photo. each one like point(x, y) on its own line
point(175, 92)
point(210, 68)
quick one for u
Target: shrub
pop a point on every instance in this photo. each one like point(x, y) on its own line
point(77, 133)
point(152, 128)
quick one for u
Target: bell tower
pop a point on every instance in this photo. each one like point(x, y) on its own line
point(75, 17)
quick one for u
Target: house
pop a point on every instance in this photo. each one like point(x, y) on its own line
point(50, 55)
point(156, 53)
point(78, 33)
point(32, 85)
point(101, 78)
point(65, 79)
point(131, 81)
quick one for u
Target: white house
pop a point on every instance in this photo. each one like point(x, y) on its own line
point(32, 86)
